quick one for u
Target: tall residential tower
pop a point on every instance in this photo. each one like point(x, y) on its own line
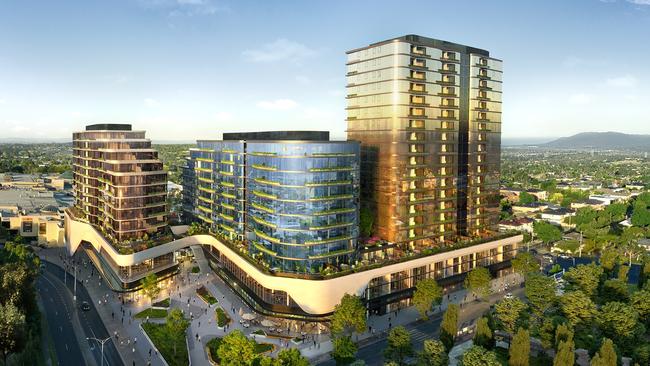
point(428, 116)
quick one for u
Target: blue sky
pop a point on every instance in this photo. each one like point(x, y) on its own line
point(187, 69)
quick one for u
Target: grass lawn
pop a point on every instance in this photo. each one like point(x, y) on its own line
point(165, 341)
point(214, 343)
point(196, 269)
point(151, 313)
point(206, 295)
point(163, 303)
point(222, 317)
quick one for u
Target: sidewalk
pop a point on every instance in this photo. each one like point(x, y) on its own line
point(182, 293)
point(469, 311)
point(132, 345)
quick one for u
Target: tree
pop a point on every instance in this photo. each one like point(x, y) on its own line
point(483, 336)
point(520, 349)
point(176, 324)
point(640, 301)
point(540, 291)
point(548, 233)
point(640, 215)
point(433, 354)
point(449, 326)
point(478, 281)
point(236, 350)
point(562, 334)
point(618, 320)
point(606, 356)
point(349, 315)
point(623, 272)
point(577, 307)
point(290, 357)
point(526, 198)
point(508, 313)
point(524, 264)
point(344, 350)
point(584, 277)
point(565, 355)
point(615, 290)
point(366, 222)
point(479, 356)
point(12, 329)
point(399, 345)
point(427, 293)
point(609, 259)
point(150, 286)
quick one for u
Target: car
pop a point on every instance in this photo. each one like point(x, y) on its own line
point(564, 256)
point(508, 296)
point(85, 306)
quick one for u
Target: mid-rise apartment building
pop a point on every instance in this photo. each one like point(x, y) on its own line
point(119, 182)
point(120, 190)
point(291, 196)
point(428, 116)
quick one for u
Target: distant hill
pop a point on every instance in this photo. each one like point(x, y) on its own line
point(602, 141)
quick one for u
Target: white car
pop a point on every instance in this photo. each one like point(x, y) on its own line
point(508, 296)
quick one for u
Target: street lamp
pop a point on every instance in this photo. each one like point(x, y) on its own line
point(101, 341)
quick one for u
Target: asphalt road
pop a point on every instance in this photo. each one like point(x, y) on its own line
point(52, 280)
point(58, 311)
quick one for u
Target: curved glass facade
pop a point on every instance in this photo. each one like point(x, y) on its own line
point(302, 203)
point(293, 203)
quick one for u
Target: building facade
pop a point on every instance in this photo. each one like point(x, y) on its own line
point(120, 191)
point(290, 197)
point(119, 182)
point(428, 116)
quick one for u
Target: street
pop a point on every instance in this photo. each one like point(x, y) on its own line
point(51, 283)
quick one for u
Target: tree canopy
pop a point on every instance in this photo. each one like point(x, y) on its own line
point(449, 326)
point(508, 313)
point(399, 345)
point(427, 293)
point(236, 350)
point(519, 354)
point(433, 354)
point(349, 315)
point(548, 233)
point(479, 356)
point(478, 281)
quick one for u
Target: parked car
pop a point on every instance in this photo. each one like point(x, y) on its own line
point(85, 306)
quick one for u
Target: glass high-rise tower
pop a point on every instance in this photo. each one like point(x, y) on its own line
point(428, 116)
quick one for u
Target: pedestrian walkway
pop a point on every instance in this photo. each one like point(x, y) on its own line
point(117, 313)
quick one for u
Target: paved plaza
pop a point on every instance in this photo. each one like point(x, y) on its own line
point(118, 313)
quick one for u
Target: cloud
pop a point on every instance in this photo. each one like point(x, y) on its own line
point(151, 103)
point(278, 104)
point(625, 81)
point(280, 50)
point(639, 2)
point(579, 99)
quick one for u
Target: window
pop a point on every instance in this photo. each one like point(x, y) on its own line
point(417, 99)
point(416, 124)
point(418, 87)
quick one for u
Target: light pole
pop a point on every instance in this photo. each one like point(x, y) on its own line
point(74, 296)
point(101, 341)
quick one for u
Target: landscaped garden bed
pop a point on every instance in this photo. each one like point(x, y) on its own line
point(151, 313)
point(206, 295)
point(213, 346)
point(196, 269)
point(165, 341)
point(162, 303)
point(222, 318)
